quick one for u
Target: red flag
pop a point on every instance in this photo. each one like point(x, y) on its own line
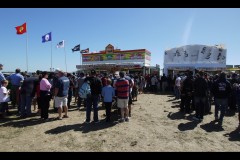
point(21, 29)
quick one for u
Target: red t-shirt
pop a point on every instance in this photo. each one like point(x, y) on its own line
point(122, 87)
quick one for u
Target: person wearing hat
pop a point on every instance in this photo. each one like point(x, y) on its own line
point(93, 99)
point(2, 77)
point(61, 94)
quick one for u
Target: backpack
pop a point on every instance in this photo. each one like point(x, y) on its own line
point(85, 90)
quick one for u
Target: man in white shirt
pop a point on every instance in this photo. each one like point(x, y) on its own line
point(177, 86)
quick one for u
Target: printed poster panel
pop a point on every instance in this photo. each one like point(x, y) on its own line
point(195, 54)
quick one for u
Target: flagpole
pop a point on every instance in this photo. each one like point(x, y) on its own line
point(65, 57)
point(80, 57)
point(27, 51)
point(51, 56)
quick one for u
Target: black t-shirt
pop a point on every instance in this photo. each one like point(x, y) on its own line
point(95, 85)
point(62, 84)
point(29, 85)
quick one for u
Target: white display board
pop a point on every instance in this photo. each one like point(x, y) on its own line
point(192, 54)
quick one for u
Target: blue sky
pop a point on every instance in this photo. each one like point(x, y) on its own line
point(138, 28)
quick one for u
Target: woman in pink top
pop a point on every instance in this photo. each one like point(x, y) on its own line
point(45, 96)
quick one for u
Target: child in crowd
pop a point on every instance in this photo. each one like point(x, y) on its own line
point(4, 98)
point(108, 93)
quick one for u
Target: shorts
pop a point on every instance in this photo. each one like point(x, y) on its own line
point(122, 103)
point(60, 101)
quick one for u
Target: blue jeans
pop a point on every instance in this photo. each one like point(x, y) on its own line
point(26, 102)
point(220, 104)
point(92, 101)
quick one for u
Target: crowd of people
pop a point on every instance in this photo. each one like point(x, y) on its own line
point(197, 93)
point(23, 91)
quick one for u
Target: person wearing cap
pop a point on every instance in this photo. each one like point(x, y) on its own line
point(61, 94)
point(96, 89)
point(221, 89)
point(2, 77)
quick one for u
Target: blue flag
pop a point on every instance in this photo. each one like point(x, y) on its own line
point(47, 37)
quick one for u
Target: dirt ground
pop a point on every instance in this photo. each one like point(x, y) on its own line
point(156, 125)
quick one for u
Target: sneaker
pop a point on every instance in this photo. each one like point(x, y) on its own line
point(59, 118)
point(195, 118)
point(121, 120)
point(127, 119)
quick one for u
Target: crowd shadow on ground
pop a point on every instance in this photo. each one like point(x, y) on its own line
point(176, 116)
point(234, 135)
point(20, 123)
point(83, 127)
point(188, 126)
point(212, 126)
point(36, 120)
point(183, 126)
point(87, 127)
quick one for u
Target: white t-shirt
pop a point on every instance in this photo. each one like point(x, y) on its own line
point(178, 82)
point(3, 98)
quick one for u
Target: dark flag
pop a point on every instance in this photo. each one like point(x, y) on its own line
point(76, 48)
point(85, 50)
